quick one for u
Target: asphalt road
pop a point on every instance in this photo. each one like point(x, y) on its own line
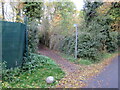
point(108, 78)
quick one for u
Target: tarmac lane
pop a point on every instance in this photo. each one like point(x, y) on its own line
point(108, 78)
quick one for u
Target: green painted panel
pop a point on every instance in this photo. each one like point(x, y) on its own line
point(13, 43)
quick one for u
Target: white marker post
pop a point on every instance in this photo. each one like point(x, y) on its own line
point(75, 25)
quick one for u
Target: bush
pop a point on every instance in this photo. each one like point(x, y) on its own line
point(68, 45)
point(91, 41)
point(89, 46)
point(112, 42)
point(33, 37)
point(34, 61)
point(118, 38)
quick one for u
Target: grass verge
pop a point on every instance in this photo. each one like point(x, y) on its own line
point(86, 72)
point(83, 61)
point(36, 77)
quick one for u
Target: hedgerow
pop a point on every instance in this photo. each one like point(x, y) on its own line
point(93, 40)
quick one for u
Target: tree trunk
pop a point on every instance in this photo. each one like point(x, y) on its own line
point(3, 10)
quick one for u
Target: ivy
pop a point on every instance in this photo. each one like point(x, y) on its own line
point(33, 37)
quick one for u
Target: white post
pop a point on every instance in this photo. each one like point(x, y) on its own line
point(76, 43)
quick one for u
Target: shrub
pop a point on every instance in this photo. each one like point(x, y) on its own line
point(33, 37)
point(112, 42)
point(93, 39)
point(68, 45)
point(89, 46)
point(118, 38)
point(34, 61)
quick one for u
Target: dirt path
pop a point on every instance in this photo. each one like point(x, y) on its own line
point(67, 66)
point(76, 75)
point(72, 78)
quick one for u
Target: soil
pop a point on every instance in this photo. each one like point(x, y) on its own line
point(67, 66)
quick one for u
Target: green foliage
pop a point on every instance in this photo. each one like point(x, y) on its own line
point(33, 37)
point(68, 57)
point(66, 10)
point(0, 68)
point(36, 61)
point(94, 35)
point(89, 46)
point(37, 78)
point(90, 10)
point(114, 11)
point(68, 45)
point(84, 62)
point(33, 10)
point(32, 74)
point(58, 21)
point(9, 74)
point(76, 61)
point(118, 38)
point(112, 42)
point(107, 55)
point(91, 40)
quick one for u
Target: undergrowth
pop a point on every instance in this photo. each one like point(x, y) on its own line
point(87, 61)
point(32, 74)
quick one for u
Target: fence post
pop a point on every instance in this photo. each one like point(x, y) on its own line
point(26, 36)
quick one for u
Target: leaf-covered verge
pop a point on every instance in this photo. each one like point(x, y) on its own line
point(32, 74)
point(80, 77)
point(82, 61)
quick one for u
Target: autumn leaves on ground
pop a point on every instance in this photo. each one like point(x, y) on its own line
point(76, 75)
point(60, 27)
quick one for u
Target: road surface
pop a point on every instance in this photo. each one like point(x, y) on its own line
point(108, 78)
